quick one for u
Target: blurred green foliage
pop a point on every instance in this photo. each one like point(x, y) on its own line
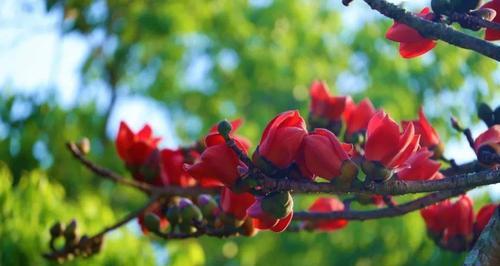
point(260, 58)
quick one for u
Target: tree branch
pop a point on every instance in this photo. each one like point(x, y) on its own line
point(486, 251)
point(61, 255)
point(144, 187)
point(380, 213)
point(435, 30)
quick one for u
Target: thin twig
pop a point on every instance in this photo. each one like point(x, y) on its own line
point(473, 20)
point(379, 213)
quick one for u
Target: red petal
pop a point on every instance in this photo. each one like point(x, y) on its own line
point(414, 49)
point(282, 224)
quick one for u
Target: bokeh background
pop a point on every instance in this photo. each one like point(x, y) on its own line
point(75, 68)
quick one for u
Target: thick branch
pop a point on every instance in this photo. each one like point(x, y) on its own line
point(380, 213)
point(486, 251)
point(392, 187)
point(436, 30)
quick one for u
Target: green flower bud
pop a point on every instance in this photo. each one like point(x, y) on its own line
point(152, 222)
point(278, 204)
point(208, 206)
point(348, 173)
point(189, 212)
point(375, 171)
point(173, 215)
point(441, 6)
point(463, 6)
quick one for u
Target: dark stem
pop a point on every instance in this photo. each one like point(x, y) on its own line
point(435, 30)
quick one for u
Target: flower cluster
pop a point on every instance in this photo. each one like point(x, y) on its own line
point(453, 226)
point(342, 142)
point(413, 44)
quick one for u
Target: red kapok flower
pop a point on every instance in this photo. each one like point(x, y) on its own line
point(386, 145)
point(492, 34)
point(328, 204)
point(133, 148)
point(273, 212)
point(428, 136)
point(282, 138)
point(483, 217)
point(488, 141)
point(323, 154)
point(173, 168)
point(420, 167)
point(461, 214)
point(358, 116)
point(436, 217)
point(236, 204)
point(411, 43)
point(218, 164)
point(324, 105)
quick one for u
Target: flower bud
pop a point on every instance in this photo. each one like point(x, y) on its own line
point(208, 206)
point(56, 230)
point(376, 171)
point(441, 6)
point(247, 228)
point(224, 128)
point(348, 173)
point(278, 204)
point(189, 212)
point(84, 146)
point(463, 6)
point(152, 222)
point(484, 13)
point(485, 113)
point(173, 215)
point(455, 124)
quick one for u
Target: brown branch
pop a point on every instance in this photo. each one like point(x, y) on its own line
point(473, 20)
point(379, 213)
point(66, 251)
point(201, 231)
point(147, 188)
point(486, 251)
point(391, 187)
point(435, 30)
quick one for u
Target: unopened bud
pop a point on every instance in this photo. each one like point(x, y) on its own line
point(348, 173)
point(484, 13)
point(56, 230)
point(247, 228)
point(496, 113)
point(70, 233)
point(208, 206)
point(278, 204)
point(485, 113)
point(173, 215)
point(455, 124)
point(463, 6)
point(441, 6)
point(84, 146)
point(224, 128)
point(152, 222)
point(375, 171)
point(189, 212)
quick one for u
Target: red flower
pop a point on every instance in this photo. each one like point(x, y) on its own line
point(324, 204)
point(218, 164)
point(411, 43)
point(386, 145)
point(325, 105)
point(173, 168)
point(428, 136)
point(358, 116)
point(448, 220)
point(282, 138)
point(490, 138)
point(420, 167)
point(135, 149)
point(236, 204)
point(323, 154)
point(491, 34)
point(483, 217)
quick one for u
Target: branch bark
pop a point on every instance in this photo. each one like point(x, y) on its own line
point(486, 251)
point(435, 30)
point(380, 213)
